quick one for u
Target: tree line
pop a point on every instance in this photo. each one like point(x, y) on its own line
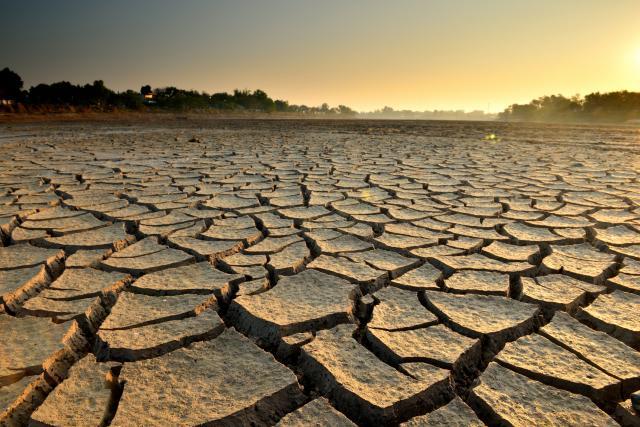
point(614, 107)
point(621, 106)
point(96, 96)
point(390, 113)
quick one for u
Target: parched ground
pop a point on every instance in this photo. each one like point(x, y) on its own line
point(319, 273)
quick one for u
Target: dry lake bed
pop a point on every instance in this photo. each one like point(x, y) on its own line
point(300, 273)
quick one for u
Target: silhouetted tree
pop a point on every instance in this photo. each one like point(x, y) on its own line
point(343, 109)
point(65, 93)
point(60, 93)
point(128, 100)
point(222, 101)
point(606, 107)
point(96, 95)
point(10, 85)
point(281, 105)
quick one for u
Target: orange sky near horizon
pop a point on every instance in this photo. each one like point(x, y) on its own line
point(407, 54)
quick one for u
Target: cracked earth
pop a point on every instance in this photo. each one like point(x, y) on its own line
point(294, 274)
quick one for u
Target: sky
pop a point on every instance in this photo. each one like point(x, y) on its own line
point(407, 54)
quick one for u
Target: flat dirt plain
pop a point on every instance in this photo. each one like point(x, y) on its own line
point(297, 273)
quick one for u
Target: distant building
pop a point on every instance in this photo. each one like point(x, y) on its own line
point(148, 98)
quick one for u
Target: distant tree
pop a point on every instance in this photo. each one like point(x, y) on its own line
point(97, 95)
point(520, 112)
point(344, 110)
point(10, 85)
point(613, 106)
point(128, 100)
point(281, 106)
point(59, 93)
point(603, 107)
point(262, 101)
point(222, 101)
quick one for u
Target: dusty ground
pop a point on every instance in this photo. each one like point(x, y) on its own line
point(237, 272)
